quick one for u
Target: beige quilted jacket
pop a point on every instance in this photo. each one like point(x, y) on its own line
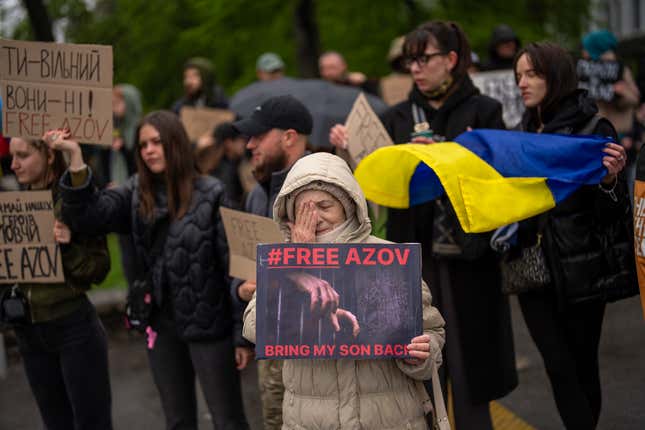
point(350, 394)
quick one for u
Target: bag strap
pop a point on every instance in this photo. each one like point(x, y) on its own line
point(440, 405)
point(541, 223)
point(418, 115)
point(439, 408)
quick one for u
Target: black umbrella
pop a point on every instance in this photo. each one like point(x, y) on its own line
point(328, 103)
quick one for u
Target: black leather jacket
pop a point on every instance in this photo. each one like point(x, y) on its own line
point(588, 240)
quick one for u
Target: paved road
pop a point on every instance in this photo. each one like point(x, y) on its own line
point(622, 372)
point(135, 400)
point(136, 405)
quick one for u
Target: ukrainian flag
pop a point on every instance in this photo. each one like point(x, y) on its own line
point(492, 177)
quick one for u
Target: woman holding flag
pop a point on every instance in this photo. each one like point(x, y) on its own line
point(585, 239)
point(461, 269)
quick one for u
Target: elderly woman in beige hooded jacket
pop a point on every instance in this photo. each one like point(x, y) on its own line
point(321, 201)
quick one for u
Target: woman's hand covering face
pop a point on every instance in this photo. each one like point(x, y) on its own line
point(303, 230)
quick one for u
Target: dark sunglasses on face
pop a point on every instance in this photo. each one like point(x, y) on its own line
point(421, 60)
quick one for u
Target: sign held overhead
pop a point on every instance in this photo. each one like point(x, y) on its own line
point(54, 85)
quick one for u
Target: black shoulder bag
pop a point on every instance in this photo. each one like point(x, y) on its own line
point(139, 304)
point(529, 270)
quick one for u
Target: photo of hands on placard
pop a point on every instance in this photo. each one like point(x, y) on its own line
point(360, 305)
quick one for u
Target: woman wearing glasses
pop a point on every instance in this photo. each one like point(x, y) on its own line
point(463, 273)
point(172, 214)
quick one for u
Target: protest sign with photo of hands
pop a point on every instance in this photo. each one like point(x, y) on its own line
point(356, 301)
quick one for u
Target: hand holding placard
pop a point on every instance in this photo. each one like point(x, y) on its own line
point(28, 249)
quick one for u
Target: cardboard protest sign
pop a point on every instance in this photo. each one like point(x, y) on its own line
point(395, 88)
point(379, 309)
point(365, 132)
point(599, 77)
point(501, 86)
point(28, 251)
point(243, 233)
point(55, 85)
point(200, 121)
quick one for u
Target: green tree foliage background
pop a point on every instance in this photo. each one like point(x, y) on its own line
point(152, 38)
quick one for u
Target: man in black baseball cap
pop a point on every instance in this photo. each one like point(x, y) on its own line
point(283, 112)
point(277, 132)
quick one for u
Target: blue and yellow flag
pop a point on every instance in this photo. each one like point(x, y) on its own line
point(492, 177)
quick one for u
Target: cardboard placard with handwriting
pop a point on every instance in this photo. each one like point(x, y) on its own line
point(28, 251)
point(365, 132)
point(244, 232)
point(56, 85)
point(200, 121)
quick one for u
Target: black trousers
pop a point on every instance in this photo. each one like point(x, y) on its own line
point(66, 362)
point(175, 363)
point(468, 414)
point(568, 342)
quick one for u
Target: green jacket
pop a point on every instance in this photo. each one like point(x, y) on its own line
point(86, 261)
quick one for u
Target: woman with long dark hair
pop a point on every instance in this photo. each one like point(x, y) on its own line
point(60, 337)
point(461, 270)
point(173, 216)
point(565, 317)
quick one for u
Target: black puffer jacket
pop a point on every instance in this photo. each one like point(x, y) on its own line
point(191, 272)
point(588, 239)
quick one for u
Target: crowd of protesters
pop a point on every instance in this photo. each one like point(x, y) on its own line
point(162, 193)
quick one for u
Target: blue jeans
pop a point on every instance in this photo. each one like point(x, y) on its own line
point(66, 363)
